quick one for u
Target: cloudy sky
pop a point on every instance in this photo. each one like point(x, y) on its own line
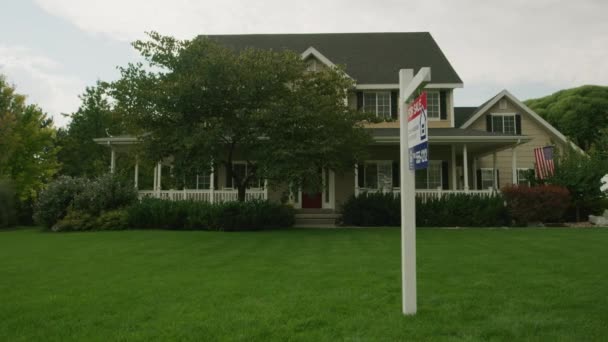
point(52, 49)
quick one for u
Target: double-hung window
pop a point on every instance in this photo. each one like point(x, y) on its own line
point(503, 123)
point(430, 178)
point(378, 175)
point(487, 178)
point(523, 176)
point(433, 105)
point(378, 103)
point(240, 169)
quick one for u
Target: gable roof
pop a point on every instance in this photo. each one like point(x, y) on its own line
point(369, 58)
point(505, 93)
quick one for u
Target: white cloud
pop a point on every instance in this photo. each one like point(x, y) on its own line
point(507, 43)
point(42, 80)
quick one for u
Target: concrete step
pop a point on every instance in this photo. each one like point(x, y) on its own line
point(318, 220)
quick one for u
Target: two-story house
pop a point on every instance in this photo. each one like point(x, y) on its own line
point(473, 150)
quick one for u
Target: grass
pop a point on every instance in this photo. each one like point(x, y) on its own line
point(302, 285)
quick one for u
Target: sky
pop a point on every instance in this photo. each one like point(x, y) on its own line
point(52, 49)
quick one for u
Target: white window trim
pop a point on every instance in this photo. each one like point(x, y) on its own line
point(503, 121)
point(437, 162)
point(377, 162)
point(390, 102)
point(523, 169)
point(493, 176)
point(438, 104)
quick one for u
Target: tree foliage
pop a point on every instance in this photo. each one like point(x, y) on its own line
point(28, 151)
point(202, 103)
point(95, 118)
point(580, 113)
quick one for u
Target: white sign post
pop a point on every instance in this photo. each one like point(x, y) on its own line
point(408, 85)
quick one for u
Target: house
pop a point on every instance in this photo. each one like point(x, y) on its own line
point(472, 150)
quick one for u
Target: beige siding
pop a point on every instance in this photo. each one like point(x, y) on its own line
point(525, 152)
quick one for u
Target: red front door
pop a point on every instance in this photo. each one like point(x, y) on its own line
point(312, 200)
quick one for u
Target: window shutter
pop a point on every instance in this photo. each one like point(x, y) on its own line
point(518, 124)
point(442, 106)
point(479, 179)
point(359, 100)
point(396, 174)
point(497, 178)
point(361, 175)
point(488, 122)
point(445, 175)
point(394, 105)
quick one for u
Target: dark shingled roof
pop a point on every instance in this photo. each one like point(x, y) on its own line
point(462, 114)
point(369, 58)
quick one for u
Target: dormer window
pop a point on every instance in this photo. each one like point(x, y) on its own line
point(378, 103)
point(433, 104)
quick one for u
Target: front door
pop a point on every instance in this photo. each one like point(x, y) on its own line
point(314, 200)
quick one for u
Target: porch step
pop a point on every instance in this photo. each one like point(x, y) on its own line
point(316, 218)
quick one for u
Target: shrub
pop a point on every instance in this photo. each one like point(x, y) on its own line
point(229, 216)
point(73, 221)
point(105, 193)
point(543, 203)
point(450, 210)
point(7, 204)
point(54, 201)
point(112, 220)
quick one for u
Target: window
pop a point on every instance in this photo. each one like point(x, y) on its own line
point(487, 178)
point(378, 175)
point(431, 177)
point(503, 123)
point(523, 176)
point(433, 105)
point(378, 103)
point(203, 181)
point(241, 169)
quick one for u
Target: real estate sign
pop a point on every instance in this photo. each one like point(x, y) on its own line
point(417, 133)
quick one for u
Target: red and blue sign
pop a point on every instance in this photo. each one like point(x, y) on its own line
point(417, 133)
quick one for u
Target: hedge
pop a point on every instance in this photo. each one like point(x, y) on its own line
point(542, 203)
point(451, 210)
point(153, 213)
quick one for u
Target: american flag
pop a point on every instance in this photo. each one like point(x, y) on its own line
point(544, 161)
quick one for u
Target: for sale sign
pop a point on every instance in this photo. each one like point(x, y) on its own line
point(417, 133)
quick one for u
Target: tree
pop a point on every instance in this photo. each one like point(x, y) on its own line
point(581, 174)
point(202, 104)
point(27, 145)
point(95, 118)
point(580, 113)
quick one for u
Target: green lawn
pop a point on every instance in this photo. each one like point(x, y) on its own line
point(302, 285)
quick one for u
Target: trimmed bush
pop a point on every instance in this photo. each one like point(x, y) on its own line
point(74, 221)
point(229, 216)
point(451, 210)
point(112, 220)
point(54, 201)
point(8, 216)
point(105, 193)
point(543, 203)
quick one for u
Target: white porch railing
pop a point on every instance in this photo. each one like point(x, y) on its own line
point(206, 195)
point(426, 194)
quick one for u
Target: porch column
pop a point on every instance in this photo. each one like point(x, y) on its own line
point(514, 166)
point(211, 184)
point(155, 182)
point(112, 160)
point(494, 171)
point(465, 161)
point(136, 178)
point(159, 177)
point(356, 179)
point(475, 185)
point(454, 176)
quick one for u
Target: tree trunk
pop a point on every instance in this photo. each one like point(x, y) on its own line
point(578, 213)
point(241, 192)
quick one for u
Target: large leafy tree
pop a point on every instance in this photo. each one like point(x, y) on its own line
point(27, 145)
point(95, 118)
point(202, 103)
point(580, 113)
